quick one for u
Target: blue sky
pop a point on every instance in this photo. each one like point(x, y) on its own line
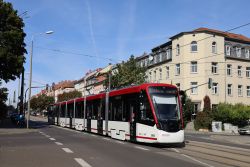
point(112, 29)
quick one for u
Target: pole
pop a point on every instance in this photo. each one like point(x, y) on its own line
point(30, 81)
point(18, 95)
point(22, 89)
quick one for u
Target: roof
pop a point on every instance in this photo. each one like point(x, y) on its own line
point(225, 34)
point(65, 84)
point(162, 46)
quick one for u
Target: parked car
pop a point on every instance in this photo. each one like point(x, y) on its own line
point(244, 130)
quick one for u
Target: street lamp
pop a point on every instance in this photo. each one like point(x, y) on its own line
point(30, 81)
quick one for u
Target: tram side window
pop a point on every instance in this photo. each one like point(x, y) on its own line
point(102, 109)
point(70, 110)
point(96, 108)
point(89, 109)
point(145, 114)
point(57, 111)
point(79, 110)
point(130, 101)
point(62, 113)
point(116, 108)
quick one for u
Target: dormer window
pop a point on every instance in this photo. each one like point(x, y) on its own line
point(247, 53)
point(238, 52)
point(228, 50)
point(214, 47)
point(194, 47)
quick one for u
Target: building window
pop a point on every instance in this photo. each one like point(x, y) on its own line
point(239, 71)
point(229, 70)
point(229, 90)
point(167, 72)
point(158, 58)
point(214, 68)
point(215, 88)
point(240, 90)
point(178, 85)
point(247, 53)
point(150, 76)
point(248, 91)
point(194, 88)
point(248, 72)
point(194, 67)
point(214, 47)
point(177, 69)
point(238, 52)
point(168, 52)
point(177, 49)
point(194, 47)
point(160, 74)
point(228, 50)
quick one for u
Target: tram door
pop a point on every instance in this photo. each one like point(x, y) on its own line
point(100, 117)
point(70, 119)
point(89, 114)
point(58, 111)
point(132, 109)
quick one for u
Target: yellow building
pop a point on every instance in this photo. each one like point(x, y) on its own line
point(190, 58)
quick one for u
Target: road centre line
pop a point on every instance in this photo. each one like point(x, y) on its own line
point(82, 162)
point(47, 136)
point(203, 163)
point(58, 143)
point(67, 150)
point(52, 139)
point(141, 148)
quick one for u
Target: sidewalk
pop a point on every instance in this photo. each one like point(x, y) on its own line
point(7, 127)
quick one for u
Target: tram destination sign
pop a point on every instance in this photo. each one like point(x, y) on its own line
point(162, 90)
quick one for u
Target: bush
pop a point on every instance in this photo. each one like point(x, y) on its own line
point(203, 121)
point(237, 114)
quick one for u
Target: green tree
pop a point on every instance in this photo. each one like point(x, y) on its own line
point(12, 46)
point(188, 108)
point(69, 95)
point(41, 102)
point(127, 73)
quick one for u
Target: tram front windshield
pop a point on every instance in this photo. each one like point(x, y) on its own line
point(165, 102)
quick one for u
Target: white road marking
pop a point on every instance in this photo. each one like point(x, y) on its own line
point(67, 150)
point(52, 139)
point(141, 148)
point(82, 162)
point(105, 138)
point(93, 135)
point(47, 136)
point(203, 163)
point(175, 150)
point(58, 143)
point(120, 142)
point(71, 130)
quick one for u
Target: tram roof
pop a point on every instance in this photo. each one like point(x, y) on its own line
point(122, 91)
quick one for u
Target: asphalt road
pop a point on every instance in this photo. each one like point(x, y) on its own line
point(55, 146)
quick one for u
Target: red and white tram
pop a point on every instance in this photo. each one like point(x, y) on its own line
point(149, 113)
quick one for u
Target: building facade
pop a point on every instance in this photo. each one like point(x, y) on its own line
point(189, 59)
